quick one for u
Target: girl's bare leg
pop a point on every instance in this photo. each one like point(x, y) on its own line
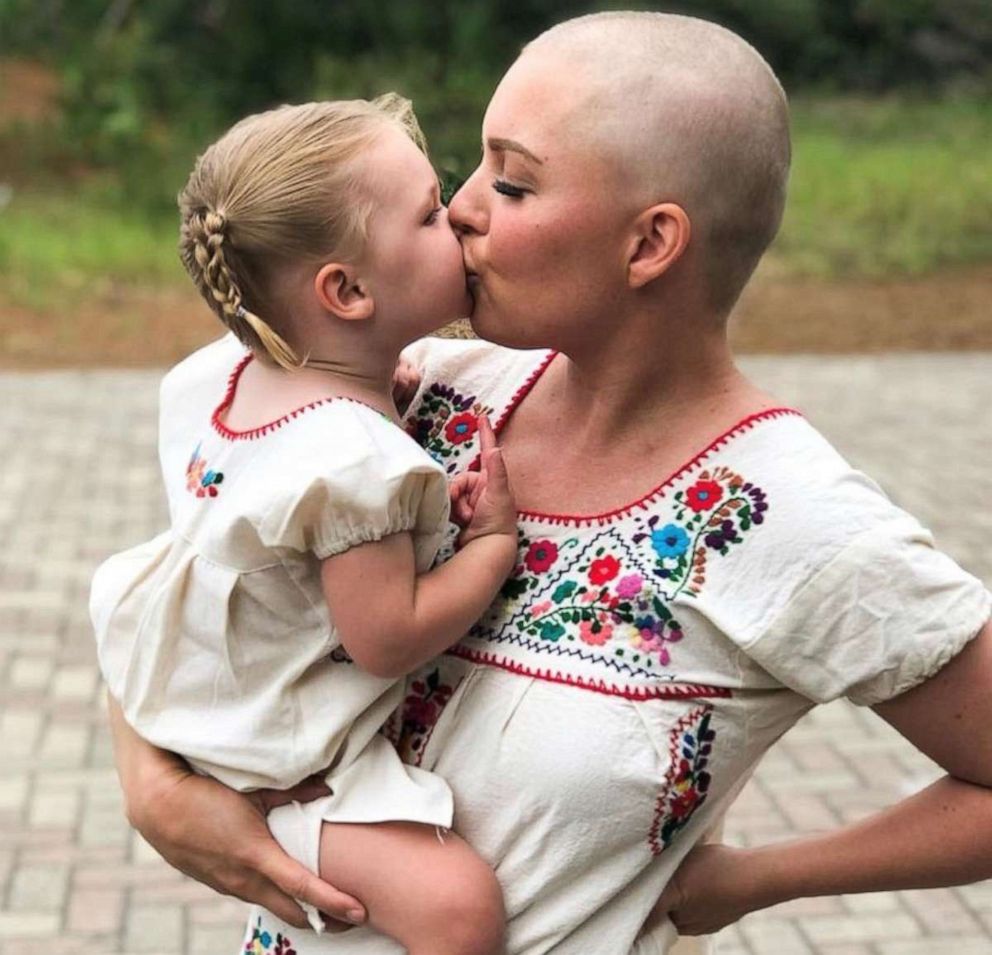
point(434, 895)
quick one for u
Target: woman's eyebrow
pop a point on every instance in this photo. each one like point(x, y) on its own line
point(497, 144)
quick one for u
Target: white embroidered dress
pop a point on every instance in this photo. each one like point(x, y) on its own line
point(617, 695)
point(215, 638)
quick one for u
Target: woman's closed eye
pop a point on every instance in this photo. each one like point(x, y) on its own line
point(505, 188)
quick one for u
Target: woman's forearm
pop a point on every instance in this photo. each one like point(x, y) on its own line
point(141, 767)
point(938, 837)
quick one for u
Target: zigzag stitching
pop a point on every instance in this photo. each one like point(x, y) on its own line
point(671, 691)
point(555, 649)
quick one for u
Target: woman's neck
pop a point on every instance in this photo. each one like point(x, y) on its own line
point(626, 387)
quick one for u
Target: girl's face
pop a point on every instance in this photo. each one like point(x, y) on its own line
point(540, 219)
point(412, 260)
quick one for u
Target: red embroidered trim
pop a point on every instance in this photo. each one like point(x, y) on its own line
point(674, 691)
point(250, 435)
point(518, 396)
point(745, 425)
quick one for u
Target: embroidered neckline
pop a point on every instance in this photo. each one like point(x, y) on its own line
point(745, 424)
point(252, 433)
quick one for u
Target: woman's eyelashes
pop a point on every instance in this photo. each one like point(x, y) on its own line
point(505, 188)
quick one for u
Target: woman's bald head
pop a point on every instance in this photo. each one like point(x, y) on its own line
point(689, 113)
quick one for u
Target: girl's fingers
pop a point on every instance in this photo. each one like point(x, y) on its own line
point(311, 788)
point(487, 437)
point(497, 480)
point(477, 488)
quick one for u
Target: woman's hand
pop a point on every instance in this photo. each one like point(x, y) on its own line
point(482, 501)
point(714, 886)
point(219, 836)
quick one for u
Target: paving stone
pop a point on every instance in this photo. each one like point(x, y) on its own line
point(37, 888)
point(157, 928)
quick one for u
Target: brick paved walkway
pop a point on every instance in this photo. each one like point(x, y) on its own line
point(79, 480)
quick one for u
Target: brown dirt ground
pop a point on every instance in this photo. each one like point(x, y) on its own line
point(29, 91)
point(133, 327)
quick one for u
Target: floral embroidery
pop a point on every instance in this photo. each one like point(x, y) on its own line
point(687, 782)
point(541, 556)
point(461, 428)
point(199, 480)
point(445, 423)
point(419, 714)
point(703, 495)
point(610, 596)
point(709, 516)
point(603, 570)
point(262, 942)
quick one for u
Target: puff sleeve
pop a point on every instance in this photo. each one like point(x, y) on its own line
point(364, 481)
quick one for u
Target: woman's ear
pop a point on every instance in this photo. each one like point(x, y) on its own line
point(661, 235)
point(343, 292)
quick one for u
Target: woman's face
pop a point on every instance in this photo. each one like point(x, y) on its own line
point(541, 219)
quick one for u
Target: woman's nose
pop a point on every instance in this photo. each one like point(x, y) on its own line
point(465, 211)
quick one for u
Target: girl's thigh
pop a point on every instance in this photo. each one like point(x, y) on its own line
point(427, 889)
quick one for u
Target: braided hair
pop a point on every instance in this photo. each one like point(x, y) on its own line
point(279, 187)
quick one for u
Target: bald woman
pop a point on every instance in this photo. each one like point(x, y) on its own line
point(697, 568)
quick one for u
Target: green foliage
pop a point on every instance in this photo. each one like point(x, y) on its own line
point(888, 186)
point(896, 184)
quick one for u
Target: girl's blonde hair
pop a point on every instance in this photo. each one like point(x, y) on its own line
point(278, 187)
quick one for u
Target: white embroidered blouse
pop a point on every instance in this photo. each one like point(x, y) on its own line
point(618, 693)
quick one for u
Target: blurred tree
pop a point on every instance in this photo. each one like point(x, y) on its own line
point(144, 80)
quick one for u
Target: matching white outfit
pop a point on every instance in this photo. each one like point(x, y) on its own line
point(215, 637)
point(604, 712)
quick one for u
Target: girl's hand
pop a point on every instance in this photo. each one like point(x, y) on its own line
point(482, 501)
point(714, 886)
point(219, 836)
point(406, 381)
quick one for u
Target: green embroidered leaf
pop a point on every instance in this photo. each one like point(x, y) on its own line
point(514, 587)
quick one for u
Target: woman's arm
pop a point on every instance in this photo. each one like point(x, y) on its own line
point(216, 835)
point(941, 836)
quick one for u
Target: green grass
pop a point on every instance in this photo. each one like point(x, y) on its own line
point(56, 247)
point(885, 187)
point(879, 187)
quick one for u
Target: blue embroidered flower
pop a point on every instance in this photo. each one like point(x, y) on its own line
point(670, 541)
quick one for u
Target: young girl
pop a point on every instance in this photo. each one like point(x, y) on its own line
point(265, 634)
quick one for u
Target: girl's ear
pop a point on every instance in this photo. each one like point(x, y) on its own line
point(661, 235)
point(343, 292)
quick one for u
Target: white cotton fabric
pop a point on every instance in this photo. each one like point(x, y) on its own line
point(215, 638)
point(577, 759)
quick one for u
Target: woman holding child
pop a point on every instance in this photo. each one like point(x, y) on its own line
point(697, 567)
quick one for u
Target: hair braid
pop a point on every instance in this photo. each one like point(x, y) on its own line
point(207, 231)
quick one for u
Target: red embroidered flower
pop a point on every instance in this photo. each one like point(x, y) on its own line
point(461, 427)
point(703, 495)
point(541, 556)
point(604, 569)
point(594, 637)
